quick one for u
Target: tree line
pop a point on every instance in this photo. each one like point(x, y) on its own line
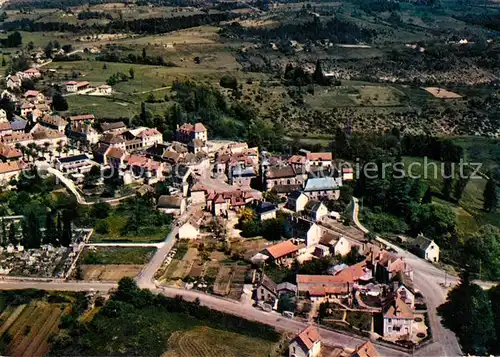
point(336, 29)
point(150, 25)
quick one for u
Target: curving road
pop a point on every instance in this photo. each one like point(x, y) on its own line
point(428, 279)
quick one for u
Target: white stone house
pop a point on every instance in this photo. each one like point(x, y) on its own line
point(342, 247)
point(266, 210)
point(398, 319)
point(315, 210)
point(306, 344)
point(171, 204)
point(189, 230)
point(296, 201)
point(426, 248)
point(266, 289)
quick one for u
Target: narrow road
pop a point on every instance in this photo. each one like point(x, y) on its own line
point(427, 278)
point(124, 245)
point(70, 185)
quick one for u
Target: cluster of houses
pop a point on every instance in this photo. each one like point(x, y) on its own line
point(382, 276)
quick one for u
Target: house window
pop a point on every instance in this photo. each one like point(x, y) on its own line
point(389, 321)
point(262, 291)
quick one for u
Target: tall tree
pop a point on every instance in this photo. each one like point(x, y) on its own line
point(490, 196)
point(494, 295)
point(13, 233)
point(4, 237)
point(427, 196)
point(461, 183)
point(447, 181)
point(50, 230)
point(66, 231)
point(32, 234)
point(59, 103)
point(467, 312)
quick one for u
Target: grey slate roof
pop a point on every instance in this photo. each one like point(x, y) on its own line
point(321, 184)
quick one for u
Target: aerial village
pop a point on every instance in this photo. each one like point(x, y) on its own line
point(263, 229)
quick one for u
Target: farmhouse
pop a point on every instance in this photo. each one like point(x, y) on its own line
point(282, 252)
point(322, 159)
point(54, 122)
point(265, 210)
point(323, 187)
point(306, 344)
point(171, 204)
point(266, 289)
point(74, 86)
point(367, 349)
point(187, 132)
point(74, 164)
point(398, 319)
point(32, 73)
point(426, 248)
point(104, 90)
point(315, 210)
point(296, 201)
point(9, 170)
point(189, 230)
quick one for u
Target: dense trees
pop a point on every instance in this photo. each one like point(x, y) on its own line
point(468, 312)
point(137, 322)
point(148, 25)
point(13, 40)
point(59, 103)
point(336, 30)
point(490, 195)
point(482, 253)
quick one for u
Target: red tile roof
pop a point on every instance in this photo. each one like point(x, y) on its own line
point(308, 337)
point(297, 160)
point(367, 349)
point(399, 310)
point(31, 93)
point(282, 249)
point(10, 166)
point(82, 117)
point(5, 126)
point(199, 127)
point(115, 153)
point(319, 156)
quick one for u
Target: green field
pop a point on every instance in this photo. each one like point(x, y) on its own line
point(117, 255)
point(470, 215)
point(116, 224)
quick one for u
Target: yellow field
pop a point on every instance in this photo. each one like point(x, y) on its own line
point(208, 342)
point(442, 93)
point(110, 272)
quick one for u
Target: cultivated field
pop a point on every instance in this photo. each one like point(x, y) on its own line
point(209, 269)
point(209, 342)
point(442, 93)
point(25, 329)
point(110, 272)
